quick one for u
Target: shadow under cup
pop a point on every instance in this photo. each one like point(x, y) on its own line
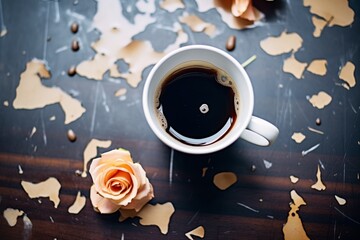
point(222, 61)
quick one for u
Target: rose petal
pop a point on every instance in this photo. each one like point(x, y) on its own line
point(105, 167)
point(116, 154)
point(101, 173)
point(140, 173)
point(125, 199)
point(104, 173)
point(95, 162)
point(138, 203)
point(250, 13)
point(102, 204)
point(94, 197)
point(144, 190)
point(239, 7)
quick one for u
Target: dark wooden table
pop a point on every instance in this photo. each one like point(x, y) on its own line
point(257, 205)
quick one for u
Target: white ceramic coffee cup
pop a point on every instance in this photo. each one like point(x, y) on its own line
point(246, 126)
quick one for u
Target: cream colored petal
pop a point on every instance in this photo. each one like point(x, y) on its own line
point(106, 206)
point(239, 7)
point(102, 169)
point(138, 203)
point(140, 173)
point(117, 154)
point(144, 190)
point(95, 198)
point(250, 13)
point(121, 199)
point(94, 164)
point(125, 200)
point(102, 204)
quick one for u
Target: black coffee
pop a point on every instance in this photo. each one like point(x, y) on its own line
point(197, 104)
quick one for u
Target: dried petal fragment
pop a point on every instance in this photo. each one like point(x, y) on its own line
point(293, 228)
point(319, 185)
point(133, 54)
point(11, 216)
point(336, 12)
point(95, 68)
point(32, 94)
point(285, 43)
point(347, 74)
point(49, 188)
point(340, 200)
point(319, 24)
point(318, 67)
point(78, 204)
point(224, 180)
point(120, 92)
point(295, 67)
point(172, 5)
point(320, 100)
point(298, 137)
point(91, 152)
point(294, 179)
point(116, 42)
point(158, 215)
point(196, 24)
point(197, 232)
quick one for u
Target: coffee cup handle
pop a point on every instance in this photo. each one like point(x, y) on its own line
point(260, 132)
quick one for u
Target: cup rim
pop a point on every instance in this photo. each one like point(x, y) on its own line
point(177, 145)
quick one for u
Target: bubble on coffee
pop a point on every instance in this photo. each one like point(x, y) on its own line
point(160, 116)
point(204, 108)
point(197, 103)
point(224, 79)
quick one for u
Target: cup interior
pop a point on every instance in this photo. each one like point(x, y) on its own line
point(221, 60)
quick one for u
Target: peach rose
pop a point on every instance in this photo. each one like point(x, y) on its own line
point(244, 9)
point(119, 183)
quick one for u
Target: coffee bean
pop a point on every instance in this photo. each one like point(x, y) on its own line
point(72, 71)
point(71, 135)
point(231, 42)
point(74, 27)
point(75, 45)
point(318, 121)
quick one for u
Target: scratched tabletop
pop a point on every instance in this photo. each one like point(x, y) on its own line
point(304, 186)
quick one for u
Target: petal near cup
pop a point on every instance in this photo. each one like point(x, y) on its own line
point(246, 126)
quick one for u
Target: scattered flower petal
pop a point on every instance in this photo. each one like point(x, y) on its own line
point(294, 179)
point(11, 216)
point(340, 200)
point(49, 188)
point(295, 67)
point(285, 43)
point(224, 180)
point(158, 215)
point(293, 228)
point(197, 232)
point(347, 74)
point(320, 100)
point(319, 185)
point(298, 137)
point(78, 204)
point(318, 67)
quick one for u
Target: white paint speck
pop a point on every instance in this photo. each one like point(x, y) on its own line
point(267, 164)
